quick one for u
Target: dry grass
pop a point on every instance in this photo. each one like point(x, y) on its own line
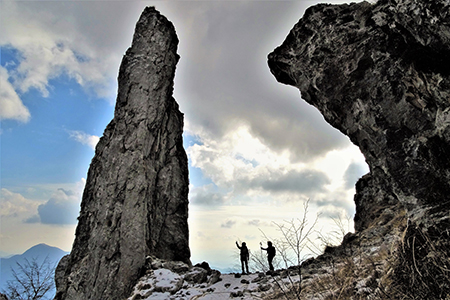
point(349, 271)
point(340, 277)
point(421, 269)
point(411, 262)
point(351, 278)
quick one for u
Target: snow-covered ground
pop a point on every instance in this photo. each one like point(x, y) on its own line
point(176, 280)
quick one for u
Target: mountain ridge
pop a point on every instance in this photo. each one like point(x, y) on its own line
point(38, 252)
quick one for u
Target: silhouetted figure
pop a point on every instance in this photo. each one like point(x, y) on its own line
point(244, 256)
point(270, 254)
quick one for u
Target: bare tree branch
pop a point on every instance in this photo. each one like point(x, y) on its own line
point(32, 280)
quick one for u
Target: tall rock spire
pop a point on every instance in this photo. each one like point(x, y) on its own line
point(135, 202)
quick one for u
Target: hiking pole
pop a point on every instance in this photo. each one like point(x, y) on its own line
point(261, 257)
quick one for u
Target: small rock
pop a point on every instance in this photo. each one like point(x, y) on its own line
point(237, 294)
point(196, 275)
point(205, 266)
point(178, 267)
point(264, 287)
point(215, 277)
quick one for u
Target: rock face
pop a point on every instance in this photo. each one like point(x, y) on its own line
point(135, 202)
point(380, 73)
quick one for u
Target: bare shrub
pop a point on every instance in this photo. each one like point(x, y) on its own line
point(290, 247)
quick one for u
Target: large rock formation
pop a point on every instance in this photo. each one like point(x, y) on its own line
point(380, 73)
point(135, 202)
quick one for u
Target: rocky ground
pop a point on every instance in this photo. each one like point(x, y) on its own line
point(177, 280)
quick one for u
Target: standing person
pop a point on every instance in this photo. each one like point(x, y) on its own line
point(270, 254)
point(244, 256)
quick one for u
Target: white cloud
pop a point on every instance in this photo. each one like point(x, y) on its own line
point(254, 222)
point(228, 84)
point(228, 224)
point(26, 221)
point(354, 172)
point(63, 206)
point(84, 138)
point(206, 195)
point(241, 165)
point(14, 204)
point(305, 181)
point(238, 155)
point(54, 39)
point(11, 105)
point(61, 209)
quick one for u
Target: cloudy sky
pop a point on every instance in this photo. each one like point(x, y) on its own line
point(256, 151)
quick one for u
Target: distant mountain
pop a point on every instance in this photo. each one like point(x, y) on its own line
point(38, 252)
point(4, 254)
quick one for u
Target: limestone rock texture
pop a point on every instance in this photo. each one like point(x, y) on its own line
point(135, 201)
point(380, 73)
